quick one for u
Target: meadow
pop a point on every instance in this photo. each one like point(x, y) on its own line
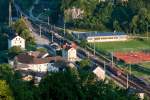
point(124, 46)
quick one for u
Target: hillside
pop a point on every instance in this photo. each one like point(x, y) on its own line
point(3, 14)
point(132, 16)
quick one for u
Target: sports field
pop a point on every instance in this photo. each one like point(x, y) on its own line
point(131, 45)
point(141, 70)
point(133, 57)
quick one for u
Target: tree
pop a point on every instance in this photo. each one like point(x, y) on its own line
point(74, 85)
point(22, 90)
point(60, 86)
point(42, 49)
point(25, 34)
point(13, 51)
point(21, 28)
point(85, 64)
point(4, 14)
point(5, 72)
point(134, 24)
point(140, 21)
point(83, 43)
point(3, 37)
point(5, 92)
point(116, 26)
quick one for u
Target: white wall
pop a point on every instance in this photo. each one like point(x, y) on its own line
point(70, 55)
point(42, 67)
point(107, 38)
point(17, 41)
point(100, 73)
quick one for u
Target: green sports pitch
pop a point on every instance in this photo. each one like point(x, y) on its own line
point(124, 46)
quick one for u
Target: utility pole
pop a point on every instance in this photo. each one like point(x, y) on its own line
point(40, 31)
point(130, 69)
point(112, 58)
point(94, 47)
point(104, 66)
point(10, 13)
point(64, 28)
point(48, 20)
point(52, 38)
point(147, 30)
point(127, 80)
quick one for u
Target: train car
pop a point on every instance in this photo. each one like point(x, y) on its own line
point(115, 71)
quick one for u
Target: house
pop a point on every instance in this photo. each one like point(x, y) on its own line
point(16, 40)
point(36, 61)
point(101, 36)
point(36, 64)
point(74, 13)
point(99, 72)
point(69, 52)
point(138, 92)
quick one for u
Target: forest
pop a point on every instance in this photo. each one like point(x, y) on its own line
point(131, 17)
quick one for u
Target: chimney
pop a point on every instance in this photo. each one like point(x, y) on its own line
point(30, 53)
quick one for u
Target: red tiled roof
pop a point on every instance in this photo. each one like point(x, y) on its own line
point(25, 58)
point(67, 46)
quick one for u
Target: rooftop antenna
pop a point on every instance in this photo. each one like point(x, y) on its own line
point(10, 13)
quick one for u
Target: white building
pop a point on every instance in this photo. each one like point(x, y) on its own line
point(15, 40)
point(36, 62)
point(101, 36)
point(99, 72)
point(69, 52)
point(74, 13)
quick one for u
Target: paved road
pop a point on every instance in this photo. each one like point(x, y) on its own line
point(40, 40)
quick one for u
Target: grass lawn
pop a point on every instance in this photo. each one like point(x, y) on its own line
point(136, 70)
point(146, 65)
point(142, 75)
point(131, 45)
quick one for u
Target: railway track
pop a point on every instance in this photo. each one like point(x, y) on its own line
point(122, 79)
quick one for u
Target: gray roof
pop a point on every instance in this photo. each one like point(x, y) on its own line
point(92, 34)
